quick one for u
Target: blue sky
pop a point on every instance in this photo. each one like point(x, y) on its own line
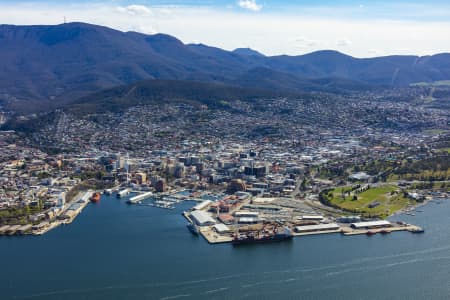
point(360, 28)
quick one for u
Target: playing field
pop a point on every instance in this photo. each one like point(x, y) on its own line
point(379, 201)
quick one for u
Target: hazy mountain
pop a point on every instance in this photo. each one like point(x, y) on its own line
point(247, 51)
point(55, 64)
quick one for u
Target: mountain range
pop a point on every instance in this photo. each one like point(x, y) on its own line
point(60, 63)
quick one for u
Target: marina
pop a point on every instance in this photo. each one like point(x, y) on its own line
point(166, 200)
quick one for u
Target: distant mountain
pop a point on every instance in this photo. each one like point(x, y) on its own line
point(50, 65)
point(283, 81)
point(247, 51)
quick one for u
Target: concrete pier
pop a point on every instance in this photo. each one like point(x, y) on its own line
point(138, 198)
point(212, 237)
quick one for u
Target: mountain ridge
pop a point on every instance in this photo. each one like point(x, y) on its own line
point(55, 64)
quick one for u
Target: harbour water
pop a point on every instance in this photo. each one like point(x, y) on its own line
point(117, 251)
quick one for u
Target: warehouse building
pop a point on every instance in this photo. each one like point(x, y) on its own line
point(316, 228)
point(203, 205)
point(248, 220)
point(222, 228)
point(371, 224)
point(246, 214)
point(202, 218)
point(312, 218)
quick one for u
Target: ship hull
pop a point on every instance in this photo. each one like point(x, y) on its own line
point(95, 197)
point(192, 229)
point(273, 239)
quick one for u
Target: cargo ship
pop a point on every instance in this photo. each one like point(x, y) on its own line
point(262, 237)
point(95, 197)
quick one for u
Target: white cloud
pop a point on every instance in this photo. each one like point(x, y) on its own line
point(135, 9)
point(250, 5)
point(146, 29)
point(343, 43)
point(305, 42)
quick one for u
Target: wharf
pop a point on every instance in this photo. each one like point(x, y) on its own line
point(46, 229)
point(77, 212)
point(409, 227)
point(186, 215)
point(136, 199)
point(213, 237)
point(316, 232)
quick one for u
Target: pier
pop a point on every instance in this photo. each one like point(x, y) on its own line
point(213, 237)
point(139, 198)
point(123, 193)
point(386, 230)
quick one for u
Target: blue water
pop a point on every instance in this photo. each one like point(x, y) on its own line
point(117, 251)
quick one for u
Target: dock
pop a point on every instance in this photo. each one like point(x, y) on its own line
point(386, 230)
point(123, 193)
point(316, 232)
point(139, 198)
point(213, 237)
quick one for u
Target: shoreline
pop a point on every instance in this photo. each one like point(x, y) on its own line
point(57, 222)
point(417, 205)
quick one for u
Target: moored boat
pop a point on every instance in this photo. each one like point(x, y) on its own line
point(418, 230)
point(95, 197)
point(262, 237)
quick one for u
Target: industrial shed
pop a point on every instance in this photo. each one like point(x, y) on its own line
point(221, 228)
point(203, 205)
point(246, 214)
point(247, 220)
point(202, 218)
point(312, 218)
point(371, 224)
point(314, 228)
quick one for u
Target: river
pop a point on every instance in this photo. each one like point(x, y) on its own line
point(117, 251)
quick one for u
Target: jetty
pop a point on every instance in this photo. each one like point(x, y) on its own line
point(123, 193)
point(139, 198)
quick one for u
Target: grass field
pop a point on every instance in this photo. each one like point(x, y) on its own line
point(390, 200)
point(435, 131)
point(436, 83)
point(445, 150)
